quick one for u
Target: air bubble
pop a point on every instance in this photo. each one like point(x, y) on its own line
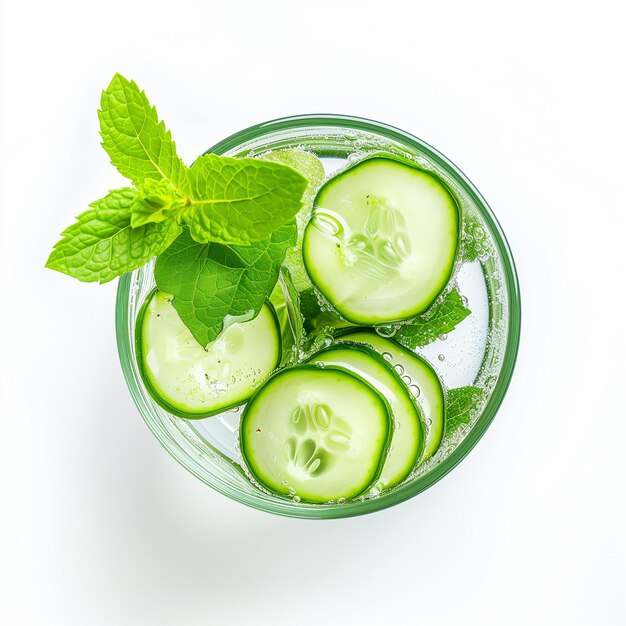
point(327, 224)
point(399, 369)
point(387, 356)
point(341, 500)
point(323, 341)
point(296, 498)
point(415, 390)
point(443, 337)
point(441, 357)
point(406, 380)
point(386, 331)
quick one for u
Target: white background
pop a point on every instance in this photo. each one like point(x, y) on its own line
point(101, 527)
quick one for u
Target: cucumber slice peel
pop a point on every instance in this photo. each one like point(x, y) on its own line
point(423, 381)
point(192, 382)
point(316, 434)
point(382, 240)
point(407, 442)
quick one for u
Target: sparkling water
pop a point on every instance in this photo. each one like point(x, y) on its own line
point(471, 354)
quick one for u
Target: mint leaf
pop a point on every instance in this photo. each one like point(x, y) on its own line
point(156, 201)
point(475, 242)
point(310, 167)
point(238, 201)
point(420, 332)
point(316, 319)
point(304, 162)
point(459, 403)
point(212, 281)
point(102, 245)
point(139, 145)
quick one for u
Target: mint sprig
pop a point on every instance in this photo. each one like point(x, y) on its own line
point(215, 282)
point(156, 201)
point(238, 216)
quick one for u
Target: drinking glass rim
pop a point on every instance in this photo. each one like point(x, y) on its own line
point(426, 480)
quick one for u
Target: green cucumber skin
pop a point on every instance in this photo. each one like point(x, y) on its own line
point(345, 335)
point(153, 393)
point(386, 156)
point(304, 367)
point(418, 311)
point(370, 352)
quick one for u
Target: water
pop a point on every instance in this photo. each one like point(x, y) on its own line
point(471, 354)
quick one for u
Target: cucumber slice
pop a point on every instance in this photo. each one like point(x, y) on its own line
point(310, 166)
point(315, 434)
point(428, 388)
point(382, 240)
point(407, 442)
point(191, 382)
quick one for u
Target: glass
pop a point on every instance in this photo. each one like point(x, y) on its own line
point(207, 451)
